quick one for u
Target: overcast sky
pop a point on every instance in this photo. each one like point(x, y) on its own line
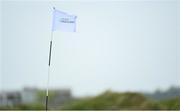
point(123, 46)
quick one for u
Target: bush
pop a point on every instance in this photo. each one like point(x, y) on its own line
point(112, 100)
point(171, 104)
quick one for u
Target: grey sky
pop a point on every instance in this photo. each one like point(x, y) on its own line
point(118, 45)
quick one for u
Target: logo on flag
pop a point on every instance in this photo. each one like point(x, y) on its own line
point(66, 20)
point(63, 21)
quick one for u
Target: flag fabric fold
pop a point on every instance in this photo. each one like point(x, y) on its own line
point(63, 21)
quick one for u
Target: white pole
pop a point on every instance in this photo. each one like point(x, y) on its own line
point(47, 89)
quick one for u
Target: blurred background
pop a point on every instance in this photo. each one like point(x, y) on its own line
point(124, 55)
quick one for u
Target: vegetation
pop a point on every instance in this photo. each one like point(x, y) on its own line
point(114, 100)
point(25, 107)
point(171, 104)
point(42, 95)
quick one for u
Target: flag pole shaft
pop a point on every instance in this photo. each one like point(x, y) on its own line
point(49, 64)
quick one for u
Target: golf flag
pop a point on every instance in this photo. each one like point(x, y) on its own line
point(63, 21)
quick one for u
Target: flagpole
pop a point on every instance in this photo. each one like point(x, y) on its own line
point(49, 64)
point(66, 16)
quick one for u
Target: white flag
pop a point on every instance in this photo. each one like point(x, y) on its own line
point(63, 21)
